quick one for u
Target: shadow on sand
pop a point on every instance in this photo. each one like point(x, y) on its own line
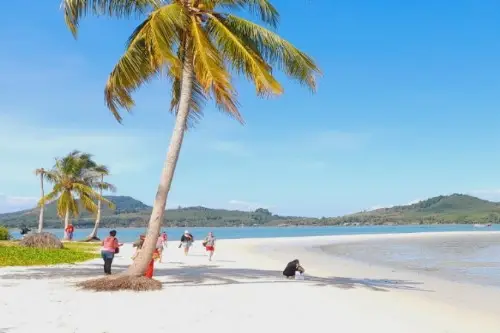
point(212, 275)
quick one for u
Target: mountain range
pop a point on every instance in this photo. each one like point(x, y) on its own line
point(129, 212)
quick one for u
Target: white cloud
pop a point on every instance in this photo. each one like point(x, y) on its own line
point(487, 194)
point(230, 147)
point(413, 202)
point(379, 207)
point(26, 147)
point(390, 206)
point(15, 203)
point(245, 205)
point(338, 140)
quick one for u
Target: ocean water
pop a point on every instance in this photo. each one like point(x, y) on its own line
point(461, 258)
point(131, 234)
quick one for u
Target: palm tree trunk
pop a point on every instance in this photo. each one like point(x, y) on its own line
point(42, 207)
point(140, 264)
point(93, 234)
point(66, 223)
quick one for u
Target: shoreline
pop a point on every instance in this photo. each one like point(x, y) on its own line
point(473, 296)
point(243, 286)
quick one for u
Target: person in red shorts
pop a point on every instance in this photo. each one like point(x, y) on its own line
point(209, 244)
point(156, 255)
point(69, 232)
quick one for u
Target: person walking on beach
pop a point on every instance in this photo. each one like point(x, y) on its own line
point(110, 247)
point(69, 232)
point(186, 241)
point(292, 268)
point(138, 245)
point(209, 244)
point(160, 244)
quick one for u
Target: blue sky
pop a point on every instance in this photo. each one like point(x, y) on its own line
point(407, 108)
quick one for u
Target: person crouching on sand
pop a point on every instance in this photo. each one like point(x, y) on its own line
point(186, 241)
point(292, 268)
point(110, 247)
point(209, 244)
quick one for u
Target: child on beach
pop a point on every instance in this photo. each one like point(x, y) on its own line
point(292, 268)
point(209, 244)
point(110, 246)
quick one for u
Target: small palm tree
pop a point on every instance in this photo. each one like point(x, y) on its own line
point(41, 172)
point(197, 44)
point(100, 171)
point(74, 179)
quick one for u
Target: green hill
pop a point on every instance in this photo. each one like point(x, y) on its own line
point(455, 208)
point(129, 212)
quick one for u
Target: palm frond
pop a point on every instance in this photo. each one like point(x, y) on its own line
point(74, 10)
point(210, 71)
point(275, 50)
point(40, 171)
point(267, 12)
point(53, 195)
point(106, 186)
point(244, 59)
point(65, 203)
point(88, 203)
point(149, 49)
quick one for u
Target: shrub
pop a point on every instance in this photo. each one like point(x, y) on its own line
point(43, 240)
point(4, 233)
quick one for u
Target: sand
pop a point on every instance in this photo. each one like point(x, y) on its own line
point(242, 290)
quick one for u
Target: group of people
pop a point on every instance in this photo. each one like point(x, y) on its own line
point(111, 246)
point(208, 243)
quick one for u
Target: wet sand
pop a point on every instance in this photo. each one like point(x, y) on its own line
point(471, 257)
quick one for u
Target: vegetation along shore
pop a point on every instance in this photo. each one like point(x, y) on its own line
point(129, 212)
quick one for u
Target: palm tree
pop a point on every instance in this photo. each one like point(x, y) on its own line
point(41, 172)
point(74, 179)
point(100, 172)
point(196, 45)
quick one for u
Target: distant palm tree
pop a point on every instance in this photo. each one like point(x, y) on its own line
point(41, 172)
point(100, 172)
point(197, 45)
point(74, 178)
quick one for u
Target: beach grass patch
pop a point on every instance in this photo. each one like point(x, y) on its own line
point(121, 282)
point(13, 254)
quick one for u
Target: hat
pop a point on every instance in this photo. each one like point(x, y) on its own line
point(186, 231)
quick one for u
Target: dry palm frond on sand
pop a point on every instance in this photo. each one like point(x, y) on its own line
point(43, 240)
point(121, 282)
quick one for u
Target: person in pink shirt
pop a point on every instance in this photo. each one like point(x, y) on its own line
point(110, 247)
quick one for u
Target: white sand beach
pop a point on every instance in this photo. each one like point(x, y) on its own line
point(242, 290)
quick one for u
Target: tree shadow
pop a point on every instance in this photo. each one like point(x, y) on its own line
point(213, 275)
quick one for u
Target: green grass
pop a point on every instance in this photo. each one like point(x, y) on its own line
point(11, 254)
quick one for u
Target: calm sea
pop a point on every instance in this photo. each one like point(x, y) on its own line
point(131, 234)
